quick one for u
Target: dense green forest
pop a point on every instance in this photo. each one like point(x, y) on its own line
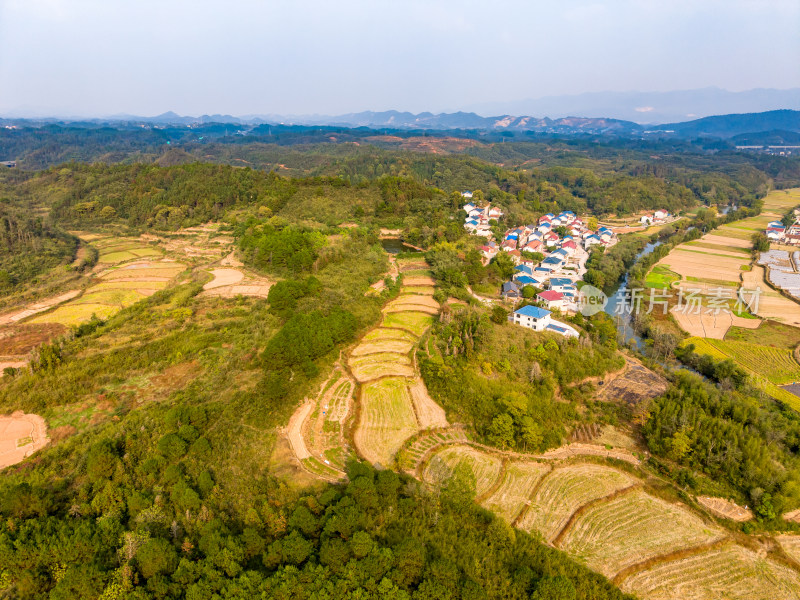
point(29, 247)
point(518, 388)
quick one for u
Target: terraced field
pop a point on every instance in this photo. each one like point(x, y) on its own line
point(776, 365)
point(614, 534)
point(519, 481)
point(386, 419)
point(485, 467)
point(564, 491)
point(730, 572)
point(413, 322)
point(116, 288)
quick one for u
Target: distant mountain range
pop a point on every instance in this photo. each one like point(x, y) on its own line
point(781, 125)
point(650, 107)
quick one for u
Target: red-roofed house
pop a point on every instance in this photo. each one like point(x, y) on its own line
point(551, 299)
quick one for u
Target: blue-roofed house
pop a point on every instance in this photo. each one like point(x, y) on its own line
point(592, 240)
point(542, 271)
point(532, 317)
point(524, 269)
point(559, 283)
point(523, 280)
point(469, 207)
point(553, 261)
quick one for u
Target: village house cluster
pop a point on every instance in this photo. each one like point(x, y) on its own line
point(660, 216)
point(563, 241)
point(778, 232)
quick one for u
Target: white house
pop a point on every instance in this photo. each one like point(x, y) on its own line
point(660, 215)
point(469, 207)
point(466, 194)
point(532, 317)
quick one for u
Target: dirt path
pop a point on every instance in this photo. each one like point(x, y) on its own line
point(295, 430)
point(37, 307)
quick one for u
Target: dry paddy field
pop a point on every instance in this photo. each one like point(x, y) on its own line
point(771, 304)
point(612, 535)
point(485, 467)
point(564, 491)
point(722, 258)
point(729, 572)
point(519, 481)
point(386, 419)
point(115, 289)
point(229, 282)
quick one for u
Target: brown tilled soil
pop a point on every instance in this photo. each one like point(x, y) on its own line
point(633, 385)
point(20, 338)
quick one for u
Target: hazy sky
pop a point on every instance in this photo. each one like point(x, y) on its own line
point(101, 57)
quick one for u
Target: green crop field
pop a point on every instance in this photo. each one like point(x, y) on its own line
point(414, 322)
point(769, 333)
point(776, 365)
point(661, 276)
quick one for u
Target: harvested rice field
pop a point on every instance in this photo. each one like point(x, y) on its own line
point(565, 490)
point(385, 421)
point(631, 527)
point(414, 322)
point(730, 572)
point(485, 467)
point(519, 481)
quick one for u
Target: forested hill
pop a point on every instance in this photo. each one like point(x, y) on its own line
point(29, 246)
point(304, 151)
point(413, 191)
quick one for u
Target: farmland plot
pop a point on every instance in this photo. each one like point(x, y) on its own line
point(777, 365)
point(386, 420)
point(565, 490)
point(429, 414)
point(631, 528)
point(382, 333)
point(413, 322)
point(730, 572)
point(421, 290)
point(791, 545)
point(519, 481)
point(485, 467)
point(399, 346)
point(374, 366)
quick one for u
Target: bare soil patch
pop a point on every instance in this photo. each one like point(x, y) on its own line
point(713, 326)
point(223, 277)
point(633, 385)
point(20, 436)
point(20, 338)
